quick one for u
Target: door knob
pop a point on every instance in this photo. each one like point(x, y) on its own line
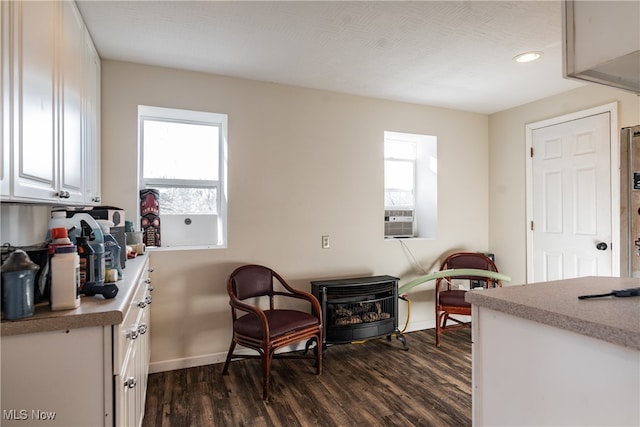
point(602, 246)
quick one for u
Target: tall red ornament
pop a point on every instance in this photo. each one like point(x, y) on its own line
point(150, 216)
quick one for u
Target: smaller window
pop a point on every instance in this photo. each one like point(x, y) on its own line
point(183, 158)
point(410, 185)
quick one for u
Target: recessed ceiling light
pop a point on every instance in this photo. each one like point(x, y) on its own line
point(527, 56)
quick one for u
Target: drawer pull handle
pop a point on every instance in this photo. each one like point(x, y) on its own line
point(150, 269)
point(150, 288)
point(148, 299)
point(133, 334)
point(142, 304)
point(147, 281)
point(130, 382)
point(142, 329)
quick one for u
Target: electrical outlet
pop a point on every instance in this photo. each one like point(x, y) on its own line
point(325, 242)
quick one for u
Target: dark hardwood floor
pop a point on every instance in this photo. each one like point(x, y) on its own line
point(375, 383)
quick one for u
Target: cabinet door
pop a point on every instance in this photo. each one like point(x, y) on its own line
point(5, 103)
point(92, 121)
point(56, 378)
point(71, 172)
point(126, 390)
point(131, 382)
point(35, 153)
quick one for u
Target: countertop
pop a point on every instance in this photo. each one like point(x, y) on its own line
point(612, 319)
point(93, 311)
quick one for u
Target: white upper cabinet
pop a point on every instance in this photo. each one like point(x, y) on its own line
point(52, 122)
point(72, 166)
point(601, 42)
point(5, 102)
point(92, 121)
point(33, 85)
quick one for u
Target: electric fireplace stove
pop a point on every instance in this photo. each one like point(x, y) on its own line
point(358, 309)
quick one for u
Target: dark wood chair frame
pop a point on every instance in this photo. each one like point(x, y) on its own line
point(443, 289)
point(266, 342)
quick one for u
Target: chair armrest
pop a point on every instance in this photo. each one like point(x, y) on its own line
point(315, 304)
point(252, 309)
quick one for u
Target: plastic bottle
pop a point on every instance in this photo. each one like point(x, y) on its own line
point(111, 251)
point(65, 278)
point(58, 220)
point(87, 262)
point(83, 224)
point(112, 254)
point(59, 237)
point(56, 237)
point(99, 265)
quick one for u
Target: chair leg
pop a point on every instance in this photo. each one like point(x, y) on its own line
point(232, 347)
point(266, 372)
point(441, 321)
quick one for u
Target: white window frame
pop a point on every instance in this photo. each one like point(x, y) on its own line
point(219, 120)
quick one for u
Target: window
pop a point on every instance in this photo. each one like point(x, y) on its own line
point(410, 185)
point(184, 159)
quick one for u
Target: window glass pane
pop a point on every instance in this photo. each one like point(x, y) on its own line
point(398, 198)
point(180, 150)
point(398, 175)
point(187, 201)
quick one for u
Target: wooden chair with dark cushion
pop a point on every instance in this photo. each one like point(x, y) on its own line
point(451, 301)
point(267, 330)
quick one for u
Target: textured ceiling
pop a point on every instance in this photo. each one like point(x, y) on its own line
point(452, 54)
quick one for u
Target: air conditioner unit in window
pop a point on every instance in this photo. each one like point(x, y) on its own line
point(399, 223)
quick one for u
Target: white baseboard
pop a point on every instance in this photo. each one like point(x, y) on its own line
point(206, 359)
point(187, 362)
point(421, 326)
point(213, 358)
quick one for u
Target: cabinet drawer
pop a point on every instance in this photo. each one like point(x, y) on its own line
point(135, 323)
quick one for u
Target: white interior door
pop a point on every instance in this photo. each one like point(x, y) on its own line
point(571, 226)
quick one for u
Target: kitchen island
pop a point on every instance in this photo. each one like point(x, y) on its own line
point(86, 366)
point(543, 357)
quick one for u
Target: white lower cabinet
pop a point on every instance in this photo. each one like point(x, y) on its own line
point(91, 376)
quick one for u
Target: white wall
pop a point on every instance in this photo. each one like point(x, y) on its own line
point(507, 207)
point(302, 163)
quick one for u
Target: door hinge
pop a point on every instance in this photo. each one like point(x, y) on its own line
point(531, 151)
point(531, 225)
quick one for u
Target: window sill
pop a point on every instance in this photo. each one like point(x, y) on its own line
point(183, 248)
point(393, 239)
